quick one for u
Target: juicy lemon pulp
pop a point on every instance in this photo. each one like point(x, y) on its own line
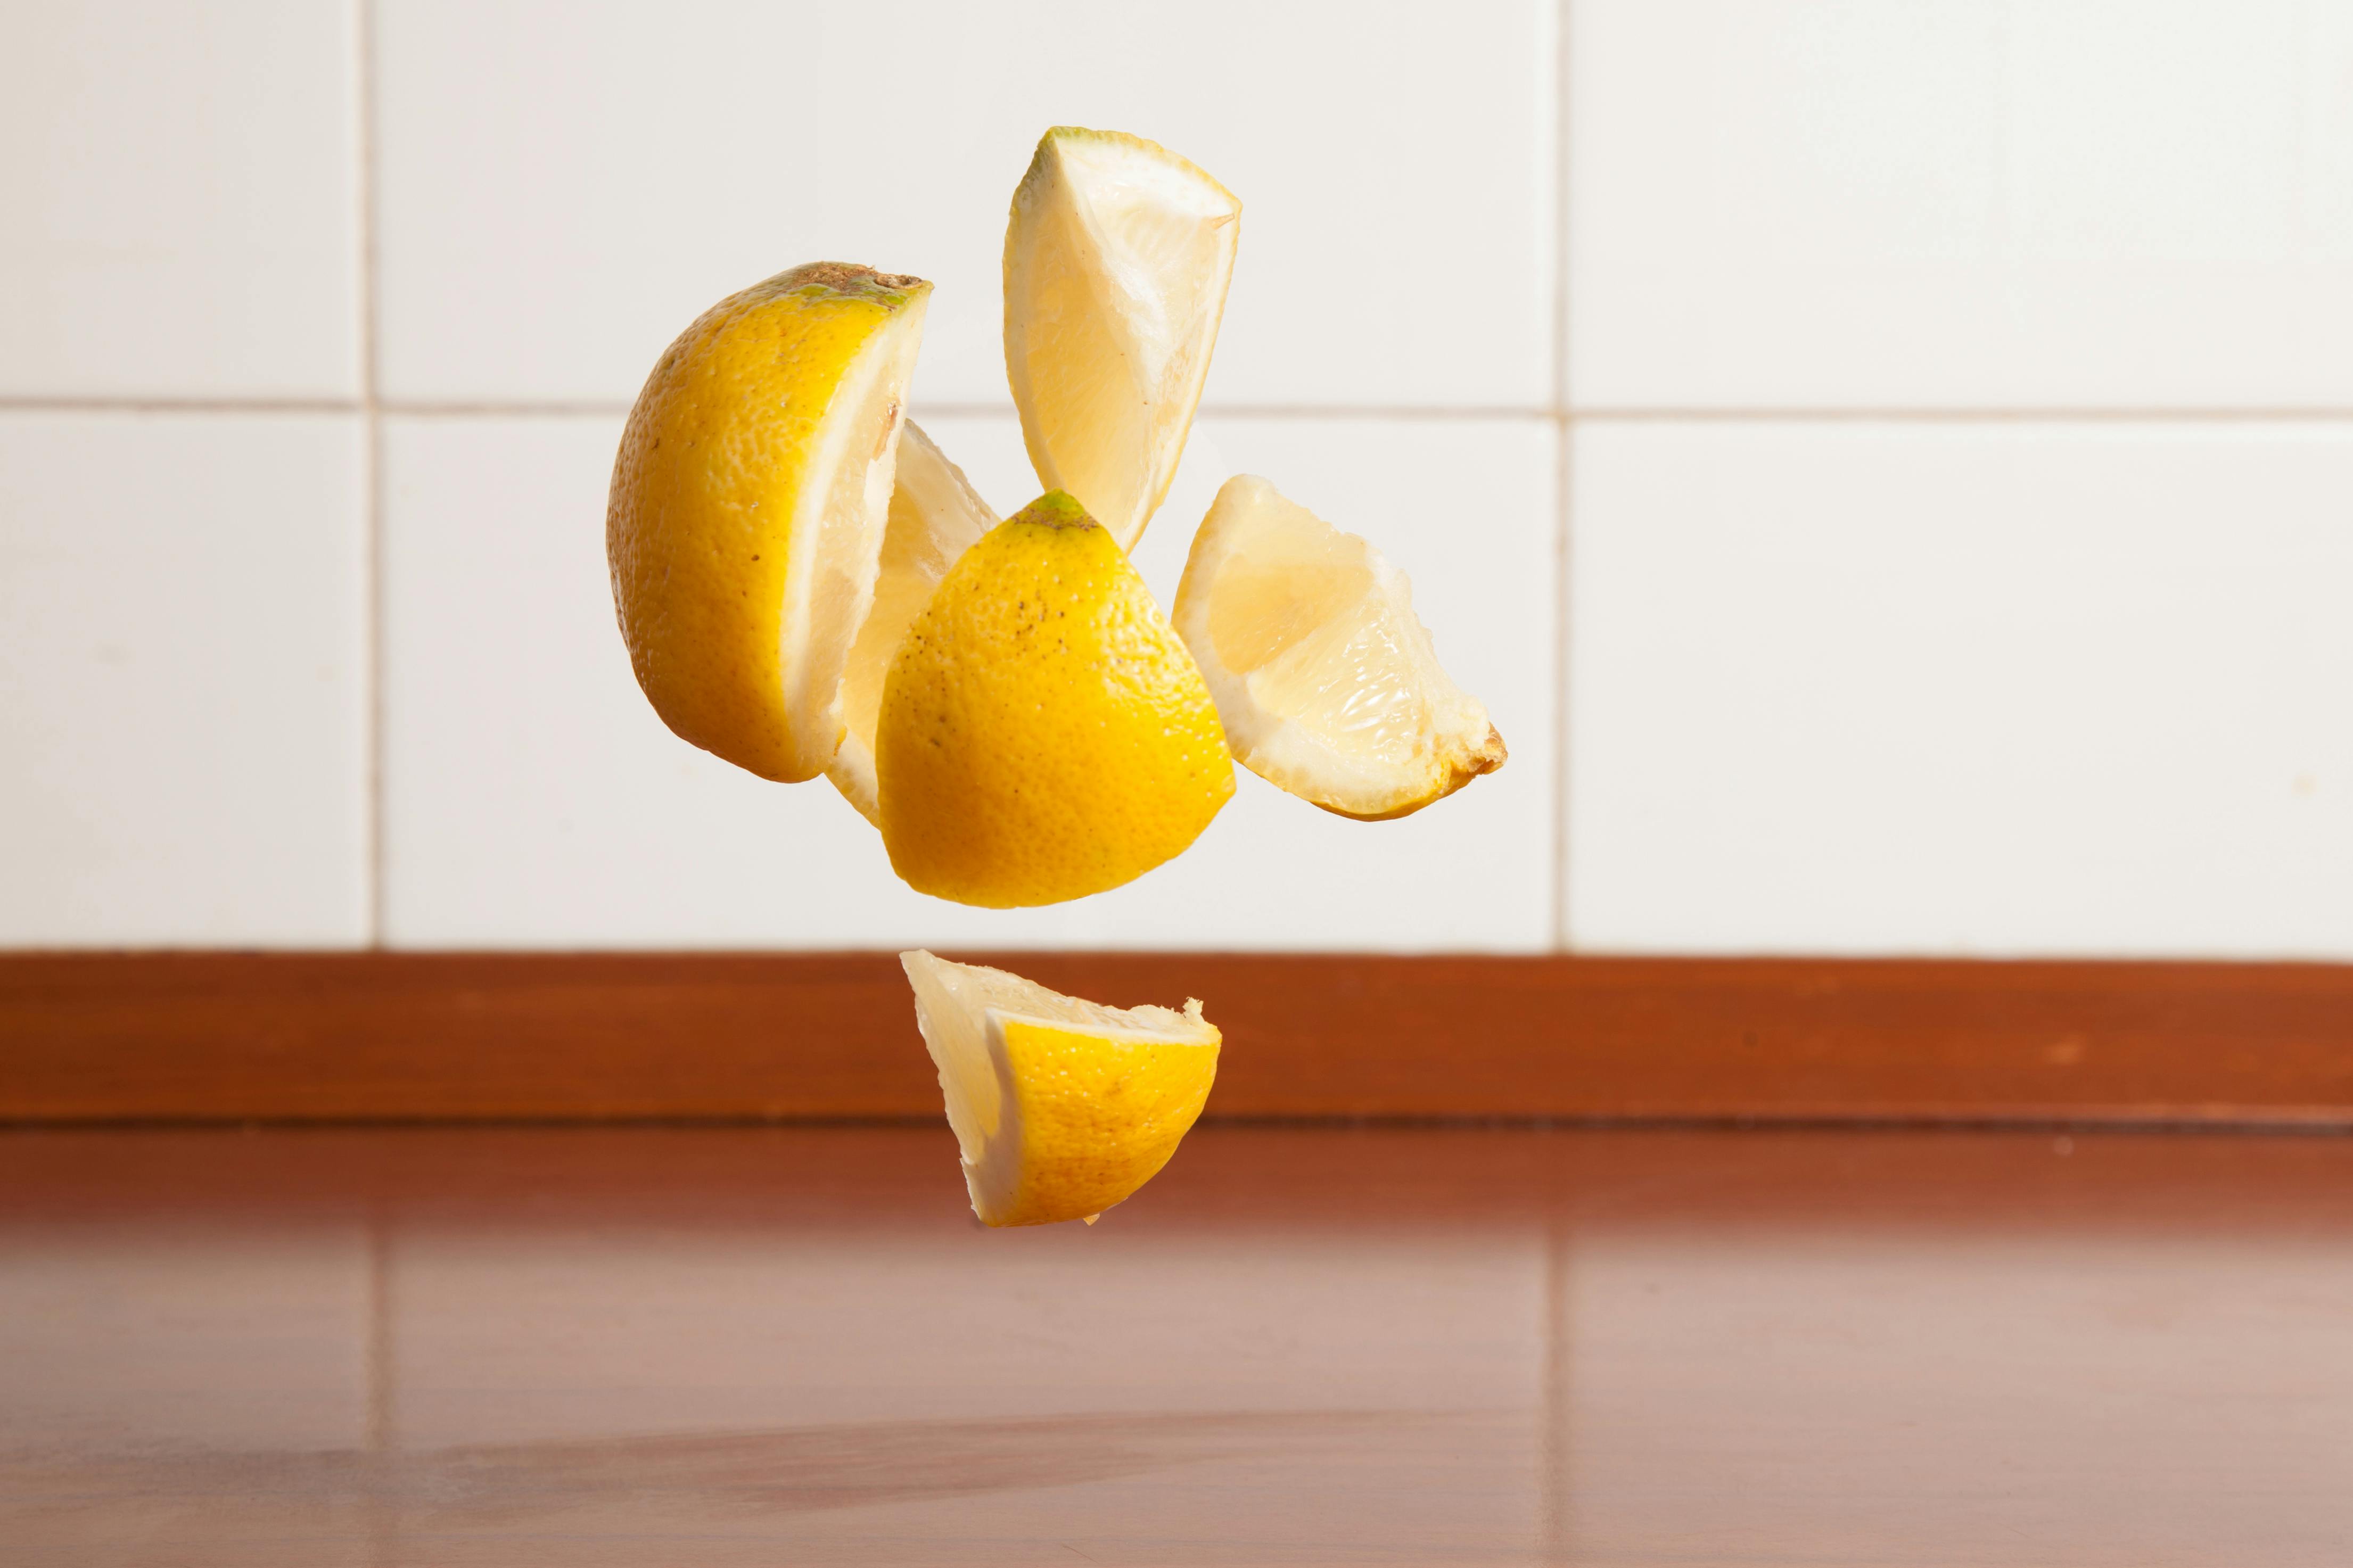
point(1326, 682)
point(1061, 1107)
point(936, 515)
point(1117, 257)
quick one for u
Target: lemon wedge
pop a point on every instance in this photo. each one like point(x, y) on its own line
point(1044, 735)
point(936, 515)
point(1326, 679)
point(1117, 257)
point(1061, 1108)
point(745, 521)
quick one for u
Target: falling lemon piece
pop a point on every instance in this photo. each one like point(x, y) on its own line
point(1116, 261)
point(1061, 1108)
point(936, 515)
point(748, 504)
point(1326, 679)
point(1043, 734)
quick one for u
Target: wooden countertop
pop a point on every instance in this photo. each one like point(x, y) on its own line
point(1301, 1345)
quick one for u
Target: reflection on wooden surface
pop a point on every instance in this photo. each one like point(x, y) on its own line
point(1299, 1345)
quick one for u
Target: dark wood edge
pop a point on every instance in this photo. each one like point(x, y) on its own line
point(212, 1036)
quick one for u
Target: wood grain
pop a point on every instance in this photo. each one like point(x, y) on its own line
point(233, 1036)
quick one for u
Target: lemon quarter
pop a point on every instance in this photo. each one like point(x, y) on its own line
point(1117, 257)
point(1061, 1108)
point(936, 515)
point(1328, 682)
point(1044, 735)
point(747, 509)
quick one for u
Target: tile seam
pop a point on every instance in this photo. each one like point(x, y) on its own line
point(387, 407)
point(372, 419)
point(1563, 23)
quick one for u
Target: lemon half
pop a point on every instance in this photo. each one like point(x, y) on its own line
point(1117, 257)
point(1326, 682)
point(747, 514)
point(1061, 1108)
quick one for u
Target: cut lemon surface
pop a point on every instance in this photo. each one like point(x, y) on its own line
point(1116, 261)
point(1326, 679)
point(935, 516)
point(1061, 1108)
point(1043, 735)
point(746, 516)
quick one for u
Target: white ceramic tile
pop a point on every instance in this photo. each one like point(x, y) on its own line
point(1950, 202)
point(182, 705)
point(533, 799)
point(181, 188)
point(566, 188)
point(1990, 687)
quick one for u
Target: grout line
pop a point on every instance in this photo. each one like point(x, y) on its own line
point(372, 406)
point(519, 409)
point(1564, 569)
point(1562, 533)
point(1933, 416)
point(180, 406)
point(1372, 411)
point(372, 412)
point(1560, 204)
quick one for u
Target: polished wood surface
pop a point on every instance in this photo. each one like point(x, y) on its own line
point(384, 1036)
point(1300, 1345)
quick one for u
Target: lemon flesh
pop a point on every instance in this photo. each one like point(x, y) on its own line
point(1044, 735)
point(935, 516)
point(1061, 1108)
point(1117, 257)
point(1326, 679)
point(746, 517)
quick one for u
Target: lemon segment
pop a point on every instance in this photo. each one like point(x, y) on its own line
point(1117, 257)
point(1043, 734)
point(1328, 682)
point(1061, 1107)
point(935, 516)
point(747, 509)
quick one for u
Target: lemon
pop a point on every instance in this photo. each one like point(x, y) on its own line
point(747, 509)
point(1044, 735)
point(1326, 682)
point(936, 515)
point(1116, 261)
point(1061, 1108)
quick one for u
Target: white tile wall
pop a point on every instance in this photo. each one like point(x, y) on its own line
point(181, 189)
point(1957, 396)
point(561, 196)
point(533, 798)
point(1993, 688)
point(2050, 204)
point(182, 699)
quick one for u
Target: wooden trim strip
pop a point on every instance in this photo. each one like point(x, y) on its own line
point(319, 1036)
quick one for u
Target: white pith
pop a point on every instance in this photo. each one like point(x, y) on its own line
point(1117, 262)
point(1326, 682)
point(934, 515)
point(835, 546)
point(962, 1010)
